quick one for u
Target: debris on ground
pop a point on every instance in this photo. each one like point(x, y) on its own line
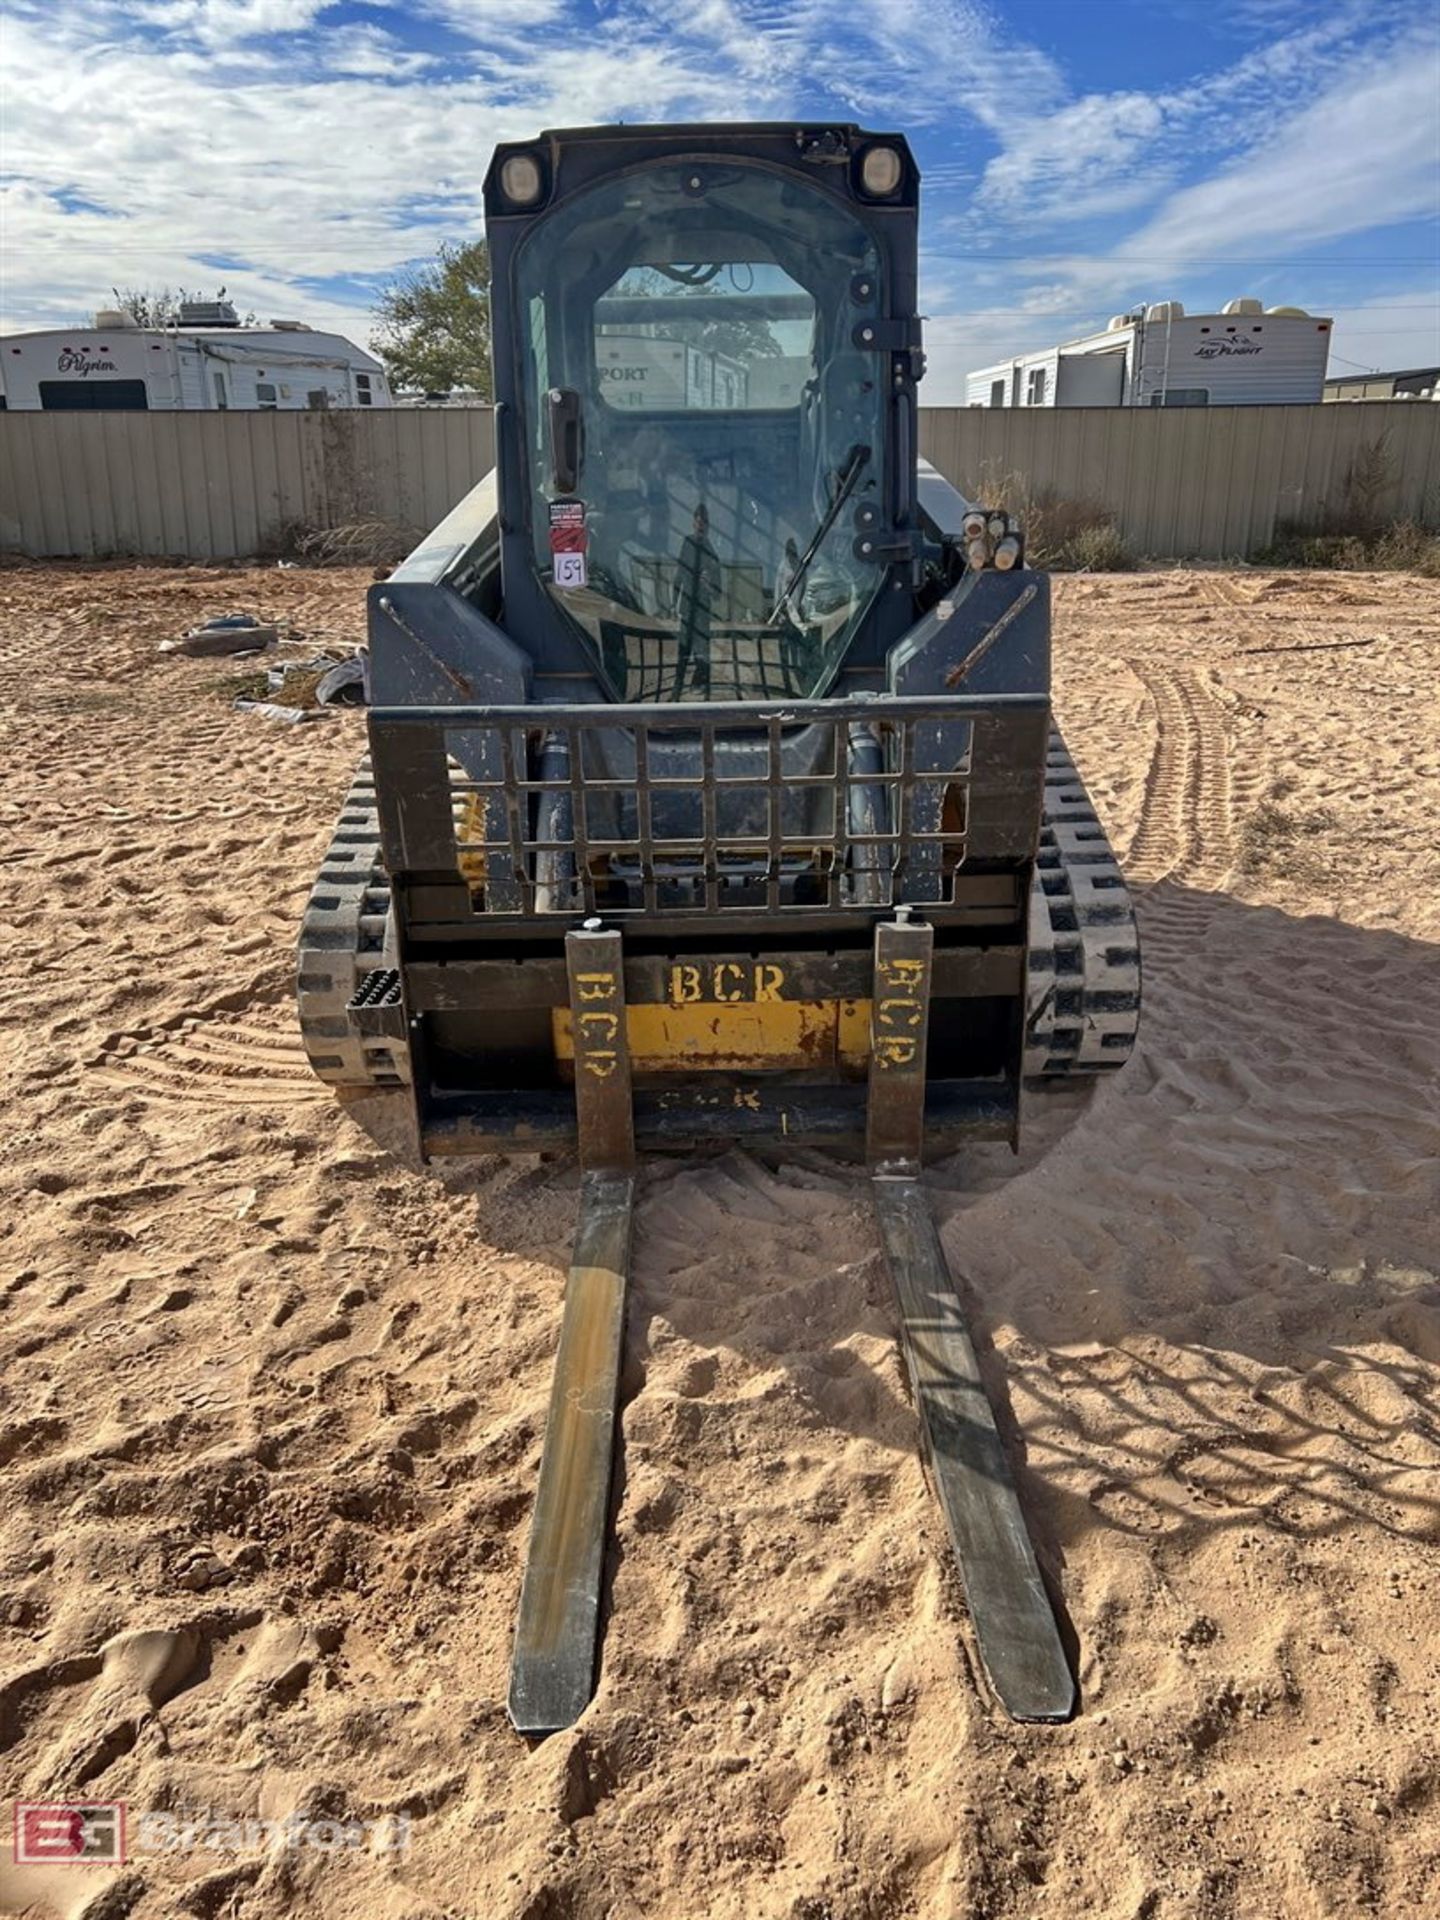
point(226, 633)
point(272, 710)
point(307, 687)
point(346, 684)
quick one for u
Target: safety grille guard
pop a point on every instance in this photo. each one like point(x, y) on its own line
point(762, 809)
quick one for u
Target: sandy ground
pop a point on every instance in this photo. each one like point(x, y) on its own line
point(271, 1406)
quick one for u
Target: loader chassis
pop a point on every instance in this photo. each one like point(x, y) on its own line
point(712, 792)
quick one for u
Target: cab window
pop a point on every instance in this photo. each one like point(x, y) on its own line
point(703, 427)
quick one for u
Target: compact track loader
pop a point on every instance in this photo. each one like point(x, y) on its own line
point(712, 792)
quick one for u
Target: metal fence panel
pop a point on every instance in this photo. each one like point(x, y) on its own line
point(1187, 483)
point(1199, 483)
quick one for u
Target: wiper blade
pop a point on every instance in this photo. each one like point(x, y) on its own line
point(855, 462)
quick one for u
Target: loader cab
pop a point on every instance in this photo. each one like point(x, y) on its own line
point(706, 355)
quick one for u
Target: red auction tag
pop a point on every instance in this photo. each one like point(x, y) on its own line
point(567, 526)
point(567, 542)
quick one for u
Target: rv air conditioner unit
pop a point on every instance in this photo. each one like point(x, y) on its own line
point(208, 313)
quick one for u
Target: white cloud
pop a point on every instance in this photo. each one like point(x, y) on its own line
point(1112, 153)
point(482, 20)
point(768, 43)
point(1087, 150)
point(223, 23)
point(371, 52)
point(930, 61)
point(1363, 154)
point(307, 176)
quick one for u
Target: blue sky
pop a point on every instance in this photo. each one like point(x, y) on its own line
point(1078, 155)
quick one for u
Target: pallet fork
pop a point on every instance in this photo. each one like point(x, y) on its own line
point(556, 1640)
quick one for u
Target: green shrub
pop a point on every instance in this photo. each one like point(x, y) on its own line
point(1402, 547)
point(1062, 534)
point(1101, 548)
point(1410, 549)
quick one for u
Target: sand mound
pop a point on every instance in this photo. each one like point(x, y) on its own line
point(271, 1404)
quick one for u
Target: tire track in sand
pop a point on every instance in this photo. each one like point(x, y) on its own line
point(253, 1060)
point(1186, 830)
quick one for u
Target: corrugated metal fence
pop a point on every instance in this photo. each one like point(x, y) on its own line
point(1197, 483)
point(1201, 482)
point(223, 486)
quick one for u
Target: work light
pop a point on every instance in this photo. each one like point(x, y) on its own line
point(521, 180)
point(880, 171)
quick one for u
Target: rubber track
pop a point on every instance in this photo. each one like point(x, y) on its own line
point(1084, 991)
point(342, 938)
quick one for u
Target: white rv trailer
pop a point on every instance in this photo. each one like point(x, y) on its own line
point(1161, 356)
point(206, 362)
point(652, 372)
